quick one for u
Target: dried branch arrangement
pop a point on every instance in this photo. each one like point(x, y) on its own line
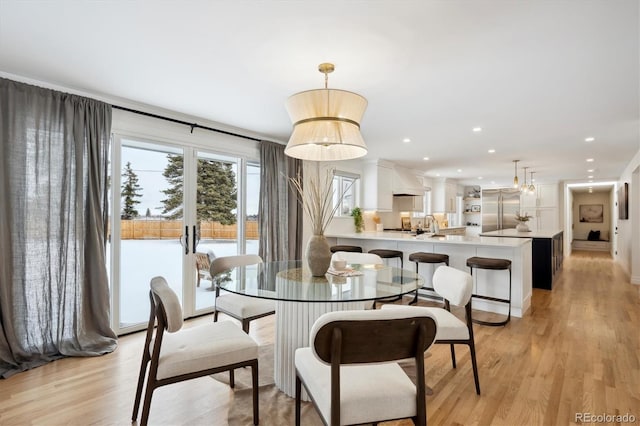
point(317, 200)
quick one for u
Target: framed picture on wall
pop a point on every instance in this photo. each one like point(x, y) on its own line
point(591, 213)
point(623, 201)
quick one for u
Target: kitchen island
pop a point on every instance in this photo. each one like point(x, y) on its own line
point(460, 248)
point(547, 253)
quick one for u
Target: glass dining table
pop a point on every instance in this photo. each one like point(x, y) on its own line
point(302, 298)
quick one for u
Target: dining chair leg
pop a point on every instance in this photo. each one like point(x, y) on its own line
point(453, 356)
point(245, 325)
point(256, 404)
point(474, 363)
point(143, 372)
point(298, 392)
point(147, 403)
point(232, 378)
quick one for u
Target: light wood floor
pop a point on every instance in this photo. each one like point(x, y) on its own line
point(576, 351)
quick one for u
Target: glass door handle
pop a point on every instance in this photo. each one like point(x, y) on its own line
point(195, 237)
point(186, 240)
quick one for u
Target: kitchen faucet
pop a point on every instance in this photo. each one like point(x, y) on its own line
point(431, 223)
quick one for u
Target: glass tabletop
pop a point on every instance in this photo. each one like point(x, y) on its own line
point(292, 281)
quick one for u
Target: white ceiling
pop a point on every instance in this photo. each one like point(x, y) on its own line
point(537, 76)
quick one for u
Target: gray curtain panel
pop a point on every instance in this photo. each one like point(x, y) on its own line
point(54, 292)
point(280, 214)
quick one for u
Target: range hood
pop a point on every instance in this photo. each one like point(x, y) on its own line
point(406, 184)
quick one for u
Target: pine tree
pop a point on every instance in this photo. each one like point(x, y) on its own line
point(129, 192)
point(216, 191)
point(173, 173)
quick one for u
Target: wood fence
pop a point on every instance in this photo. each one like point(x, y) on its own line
point(142, 229)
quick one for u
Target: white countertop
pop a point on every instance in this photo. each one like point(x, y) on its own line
point(512, 233)
point(426, 238)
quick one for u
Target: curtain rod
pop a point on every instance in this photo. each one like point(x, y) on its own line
point(186, 123)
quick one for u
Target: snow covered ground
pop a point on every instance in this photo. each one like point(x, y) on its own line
point(145, 259)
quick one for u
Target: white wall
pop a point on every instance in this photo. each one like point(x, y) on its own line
point(628, 247)
point(156, 130)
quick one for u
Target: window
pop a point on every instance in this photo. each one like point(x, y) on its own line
point(345, 186)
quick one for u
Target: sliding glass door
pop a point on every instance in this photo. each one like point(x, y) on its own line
point(174, 209)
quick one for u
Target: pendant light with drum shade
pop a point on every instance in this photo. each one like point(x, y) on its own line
point(326, 123)
point(515, 176)
point(326, 127)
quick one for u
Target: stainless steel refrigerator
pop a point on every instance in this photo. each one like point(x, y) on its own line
point(499, 207)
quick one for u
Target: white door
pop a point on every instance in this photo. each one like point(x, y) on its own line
point(170, 202)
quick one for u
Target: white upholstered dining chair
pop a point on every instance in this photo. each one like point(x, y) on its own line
point(351, 373)
point(359, 258)
point(354, 257)
point(455, 286)
point(243, 308)
point(173, 354)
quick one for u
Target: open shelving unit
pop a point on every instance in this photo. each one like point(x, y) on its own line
point(472, 210)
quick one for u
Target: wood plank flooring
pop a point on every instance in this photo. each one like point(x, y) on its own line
point(576, 351)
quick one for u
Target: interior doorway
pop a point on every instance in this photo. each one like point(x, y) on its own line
point(591, 217)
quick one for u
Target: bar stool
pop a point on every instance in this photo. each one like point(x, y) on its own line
point(422, 257)
point(495, 265)
point(389, 254)
point(351, 249)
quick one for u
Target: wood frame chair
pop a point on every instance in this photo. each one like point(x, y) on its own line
point(203, 265)
point(352, 355)
point(179, 355)
point(243, 308)
point(456, 287)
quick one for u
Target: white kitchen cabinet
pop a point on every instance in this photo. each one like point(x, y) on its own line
point(443, 196)
point(378, 191)
point(409, 203)
point(528, 202)
point(544, 219)
point(546, 195)
point(548, 218)
point(543, 206)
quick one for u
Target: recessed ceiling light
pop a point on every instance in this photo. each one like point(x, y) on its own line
point(459, 170)
point(425, 158)
point(438, 174)
point(477, 129)
point(589, 139)
point(406, 140)
point(590, 177)
point(491, 151)
point(590, 170)
point(590, 190)
point(480, 177)
point(590, 181)
point(589, 160)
